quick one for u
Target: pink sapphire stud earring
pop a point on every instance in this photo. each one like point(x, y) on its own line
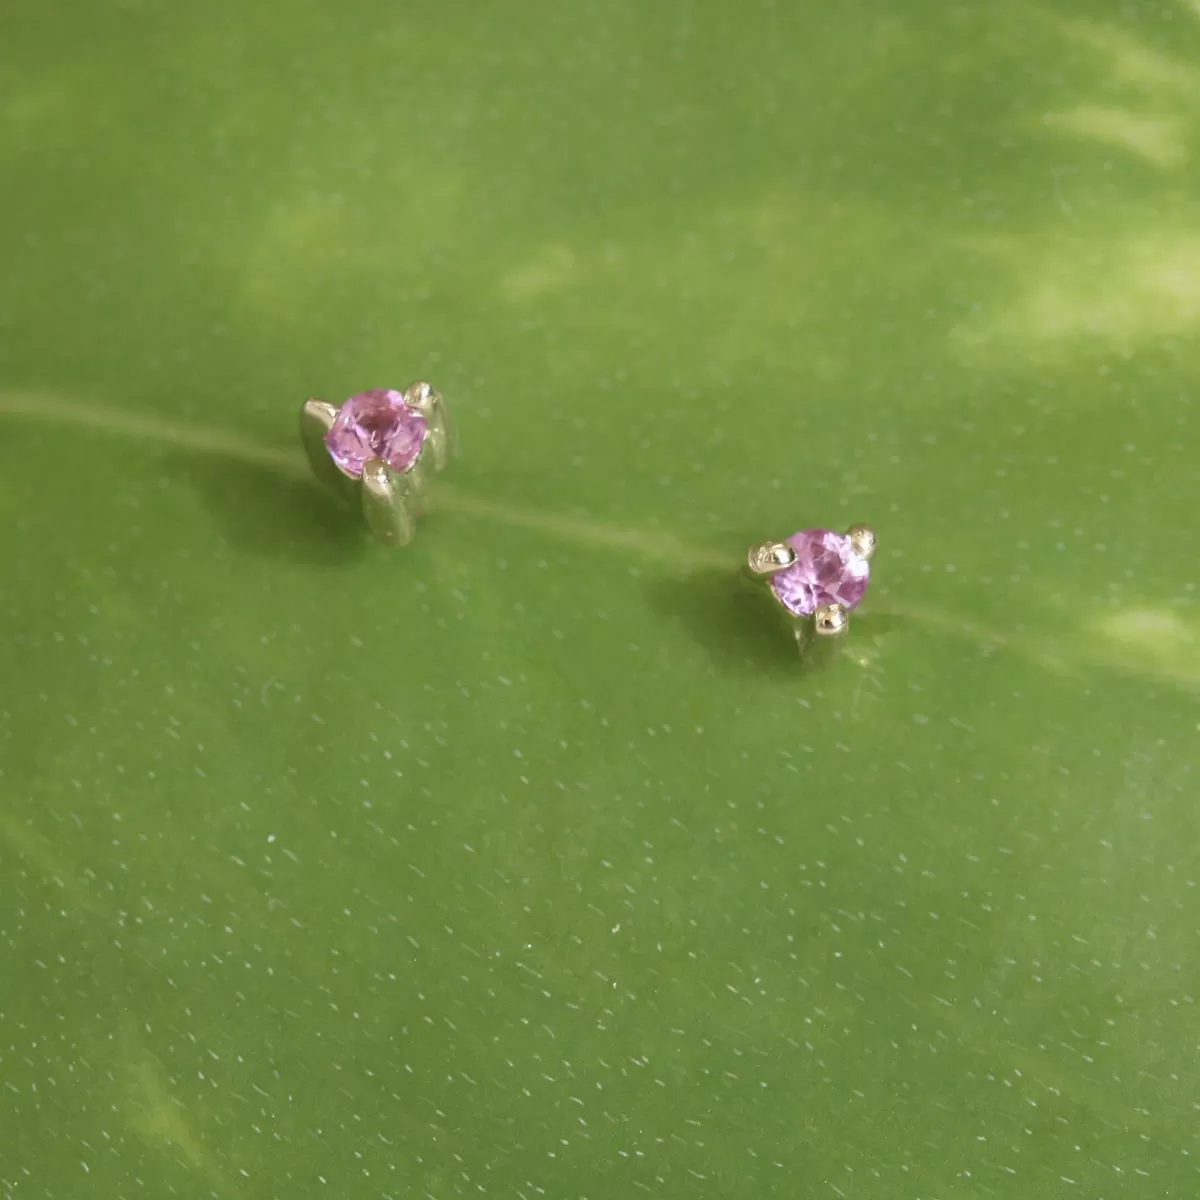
point(817, 576)
point(381, 449)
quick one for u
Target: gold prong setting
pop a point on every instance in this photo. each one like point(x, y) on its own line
point(428, 401)
point(384, 445)
point(817, 576)
point(388, 515)
point(316, 420)
point(830, 620)
point(862, 540)
point(768, 558)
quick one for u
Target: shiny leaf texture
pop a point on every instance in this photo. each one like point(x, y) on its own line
point(529, 860)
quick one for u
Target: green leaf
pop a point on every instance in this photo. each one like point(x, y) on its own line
point(530, 860)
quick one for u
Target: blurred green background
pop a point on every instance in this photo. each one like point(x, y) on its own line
point(527, 862)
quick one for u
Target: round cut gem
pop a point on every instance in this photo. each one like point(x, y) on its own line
point(376, 424)
point(826, 571)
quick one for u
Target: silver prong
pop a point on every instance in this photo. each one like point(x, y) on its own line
point(802, 631)
point(320, 414)
point(862, 538)
point(429, 402)
point(769, 558)
point(387, 501)
point(316, 420)
point(418, 479)
point(830, 620)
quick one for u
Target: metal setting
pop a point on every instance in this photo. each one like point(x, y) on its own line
point(391, 500)
point(768, 558)
point(862, 538)
point(831, 620)
point(428, 401)
point(316, 420)
point(828, 622)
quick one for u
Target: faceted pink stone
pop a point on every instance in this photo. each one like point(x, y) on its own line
point(826, 571)
point(376, 424)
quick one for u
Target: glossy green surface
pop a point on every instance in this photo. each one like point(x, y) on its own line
point(527, 862)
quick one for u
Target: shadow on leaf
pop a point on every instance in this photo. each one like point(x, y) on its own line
point(735, 623)
point(744, 632)
point(266, 514)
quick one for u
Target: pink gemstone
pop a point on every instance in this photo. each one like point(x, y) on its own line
point(826, 571)
point(376, 424)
